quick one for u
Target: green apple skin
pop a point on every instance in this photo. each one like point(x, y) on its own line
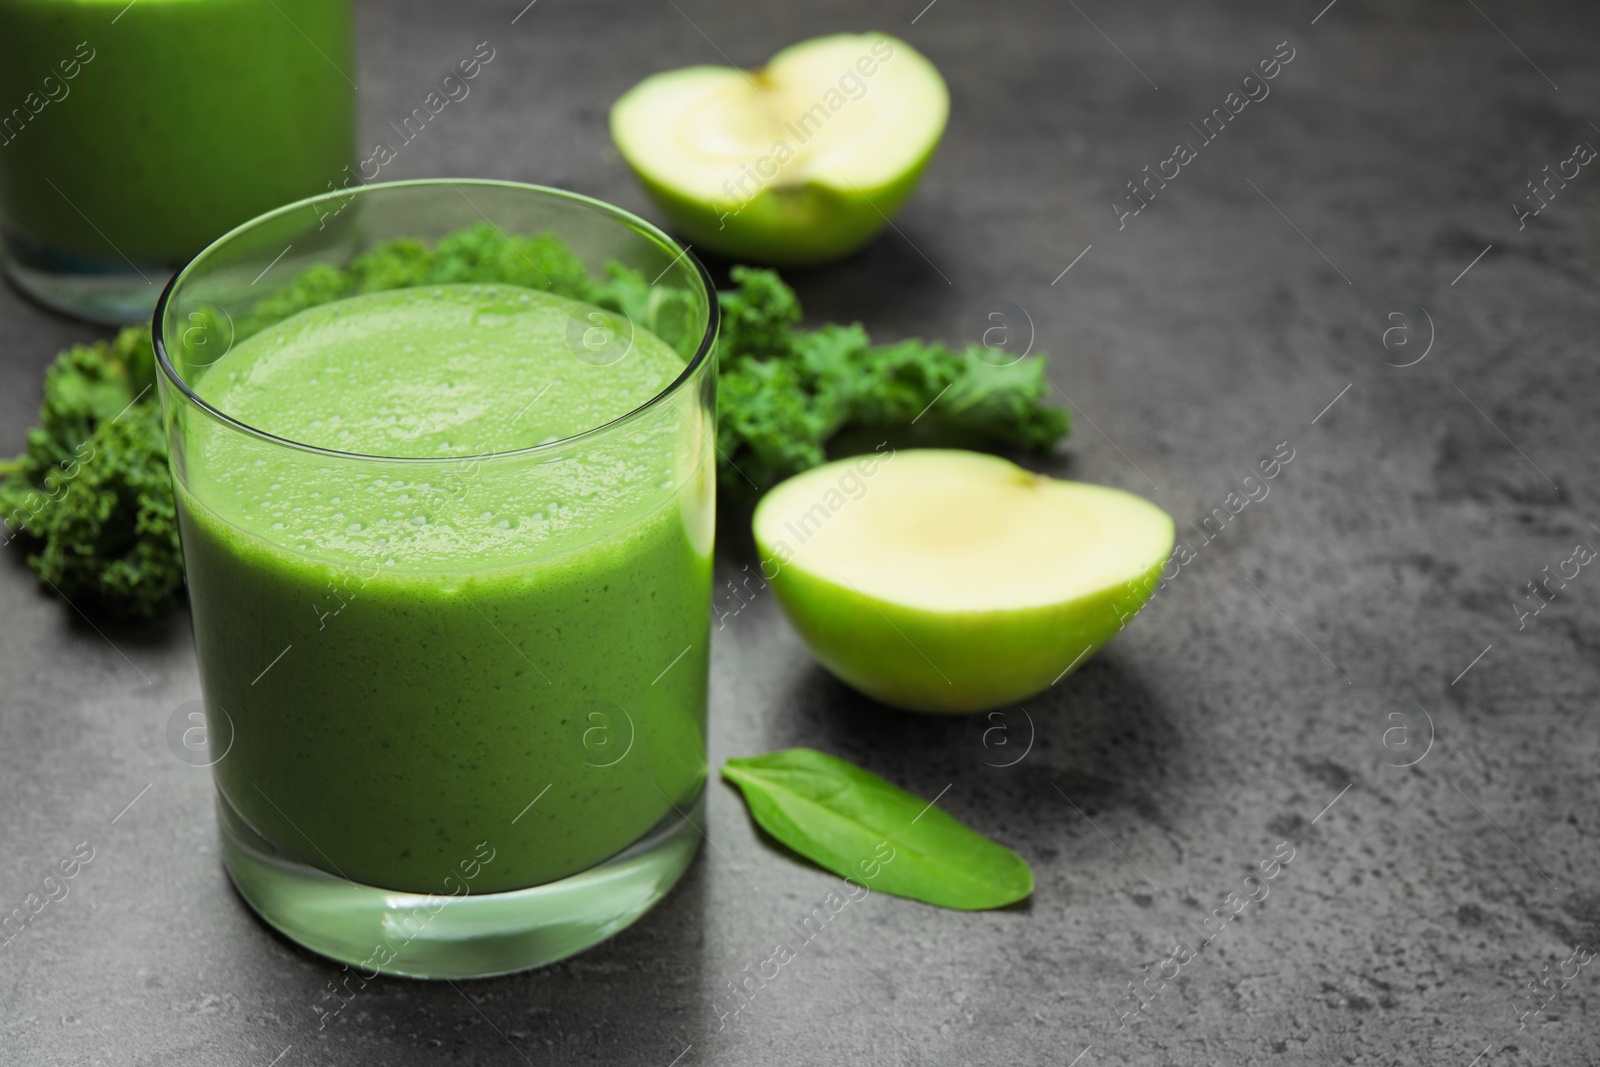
point(793, 226)
point(950, 662)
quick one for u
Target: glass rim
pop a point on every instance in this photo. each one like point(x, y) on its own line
point(628, 218)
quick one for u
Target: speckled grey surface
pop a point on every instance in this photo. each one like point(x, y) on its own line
point(1214, 325)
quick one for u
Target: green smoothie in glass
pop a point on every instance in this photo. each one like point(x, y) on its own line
point(447, 530)
point(453, 647)
point(131, 135)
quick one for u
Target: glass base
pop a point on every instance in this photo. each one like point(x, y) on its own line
point(418, 935)
point(112, 293)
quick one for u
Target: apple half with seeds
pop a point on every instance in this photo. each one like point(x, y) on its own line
point(949, 581)
point(799, 162)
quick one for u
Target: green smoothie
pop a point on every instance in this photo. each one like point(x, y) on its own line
point(420, 656)
point(146, 130)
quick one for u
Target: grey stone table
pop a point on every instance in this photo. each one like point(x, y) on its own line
point(1387, 567)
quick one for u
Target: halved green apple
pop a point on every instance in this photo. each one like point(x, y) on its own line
point(951, 581)
point(799, 162)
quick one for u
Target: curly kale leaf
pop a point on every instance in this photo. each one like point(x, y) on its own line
point(397, 264)
point(1005, 401)
point(86, 385)
point(785, 392)
point(319, 284)
point(666, 311)
point(768, 425)
point(758, 317)
point(91, 495)
point(111, 536)
point(482, 254)
point(477, 255)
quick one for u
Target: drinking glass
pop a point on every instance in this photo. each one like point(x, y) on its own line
point(434, 755)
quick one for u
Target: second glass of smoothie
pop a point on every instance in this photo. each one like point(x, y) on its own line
point(134, 134)
point(447, 527)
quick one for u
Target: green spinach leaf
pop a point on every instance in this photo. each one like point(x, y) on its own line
point(860, 827)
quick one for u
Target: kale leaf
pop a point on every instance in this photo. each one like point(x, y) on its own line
point(785, 392)
point(91, 494)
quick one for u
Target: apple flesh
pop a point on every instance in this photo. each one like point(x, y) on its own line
point(949, 581)
point(797, 163)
